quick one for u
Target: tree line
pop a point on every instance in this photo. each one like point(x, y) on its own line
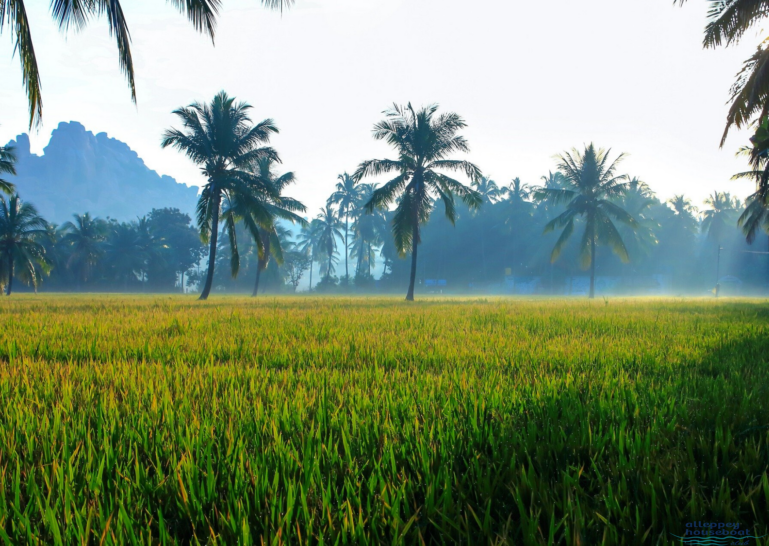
point(243, 219)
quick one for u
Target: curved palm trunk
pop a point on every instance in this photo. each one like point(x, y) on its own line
point(212, 248)
point(10, 274)
point(414, 247)
point(592, 264)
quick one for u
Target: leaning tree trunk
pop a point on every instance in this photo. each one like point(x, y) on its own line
point(592, 264)
point(414, 247)
point(10, 274)
point(212, 248)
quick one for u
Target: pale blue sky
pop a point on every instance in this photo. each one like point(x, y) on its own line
point(531, 79)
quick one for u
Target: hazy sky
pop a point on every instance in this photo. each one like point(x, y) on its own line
point(530, 78)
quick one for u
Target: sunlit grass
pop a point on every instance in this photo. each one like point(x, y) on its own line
point(162, 420)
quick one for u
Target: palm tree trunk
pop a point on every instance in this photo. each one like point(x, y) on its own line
point(212, 248)
point(10, 274)
point(368, 258)
point(592, 264)
point(256, 284)
point(414, 247)
point(312, 262)
point(346, 249)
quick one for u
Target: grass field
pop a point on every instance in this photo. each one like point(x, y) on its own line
point(162, 420)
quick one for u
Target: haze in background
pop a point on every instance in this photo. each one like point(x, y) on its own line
point(531, 79)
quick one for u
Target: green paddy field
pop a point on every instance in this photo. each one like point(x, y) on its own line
point(163, 420)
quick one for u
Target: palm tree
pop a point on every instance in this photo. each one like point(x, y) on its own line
point(719, 217)
point(308, 242)
point(7, 166)
point(20, 228)
point(220, 139)
point(347, 196)
point(84, 237)
point(728, 21)
point(329, 228)
point(66, 13)
point(488, 190)
point(369, 230)
point(259, 214)
point(124, 252)
point(424, 142)
point(591, 183)
point(637, 201)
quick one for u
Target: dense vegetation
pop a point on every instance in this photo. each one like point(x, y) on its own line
point(308, 421)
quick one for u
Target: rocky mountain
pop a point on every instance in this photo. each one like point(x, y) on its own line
point(82, 172)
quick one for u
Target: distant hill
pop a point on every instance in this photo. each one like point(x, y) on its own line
point(82, 172)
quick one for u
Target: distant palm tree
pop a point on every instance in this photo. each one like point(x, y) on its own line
point(308, 242)
point(7, 166)
point(424, 142)
point(124, 252)
point(329, 228)
point(719, 217)
point(637, 200)
point(516, 191)
point(369, 231)
point(347, 196)
point(489, 191)
point(220, 139)
point(84, 238)
point(21, 253)
point(591, 183)
point(77, 14)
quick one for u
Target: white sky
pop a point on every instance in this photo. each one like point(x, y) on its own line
point(531, 79)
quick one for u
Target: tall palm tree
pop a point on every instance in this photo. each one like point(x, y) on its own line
point(84, 238)
point(591, 184)
point(260, 213)
point(369, 231)
point(7, 166)
point(728, 21)
point(347, 195)
point(424, 141)
point(77, 14)
point(637, 200)
point(308, 242)
point(220, 138)
point(21, 253)
point(719, 217)
point(329, 229)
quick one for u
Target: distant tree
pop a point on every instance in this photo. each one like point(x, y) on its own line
point(83, 239)
point(488, 190)
point(719, 218)
point(295, 263)
point(77, 14)
point(182, 249)
point(124, 253)
point(220, 139)
point(348, 196)
point(329, 229)
point(308, 242)
point(591, 184)
point(7, 161)
point(369, 233)
point(424, 142)
point(21, 253)
point(638, 200)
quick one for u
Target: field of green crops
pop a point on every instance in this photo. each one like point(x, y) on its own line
point(163, 420)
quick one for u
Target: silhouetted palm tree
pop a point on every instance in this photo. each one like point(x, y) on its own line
point(347, 195)
point(7, 166)
point(84, 238)
point(67, 13)
point(20, 251)
point(488, 190)
point(719, 217)
point(591, 183)
point(329, 228)
point(220, 139)
point(124, 252)
point(369, 230)
point(424, 142)
point(308, 242)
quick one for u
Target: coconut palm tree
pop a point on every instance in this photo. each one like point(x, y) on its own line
point(719, 217)
point(66, 14)
point(347, 195)
point(21, 253)
point(424, 141)
point(220, 138)
point(637, 200)
point(369, 232)
point(329, 229)
point(259, 215)
point(489, 191)
point(124, 252)
point(7, 166)
point(308, 242)
point(84, 238)
point(591, 184)
point(728, 21)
